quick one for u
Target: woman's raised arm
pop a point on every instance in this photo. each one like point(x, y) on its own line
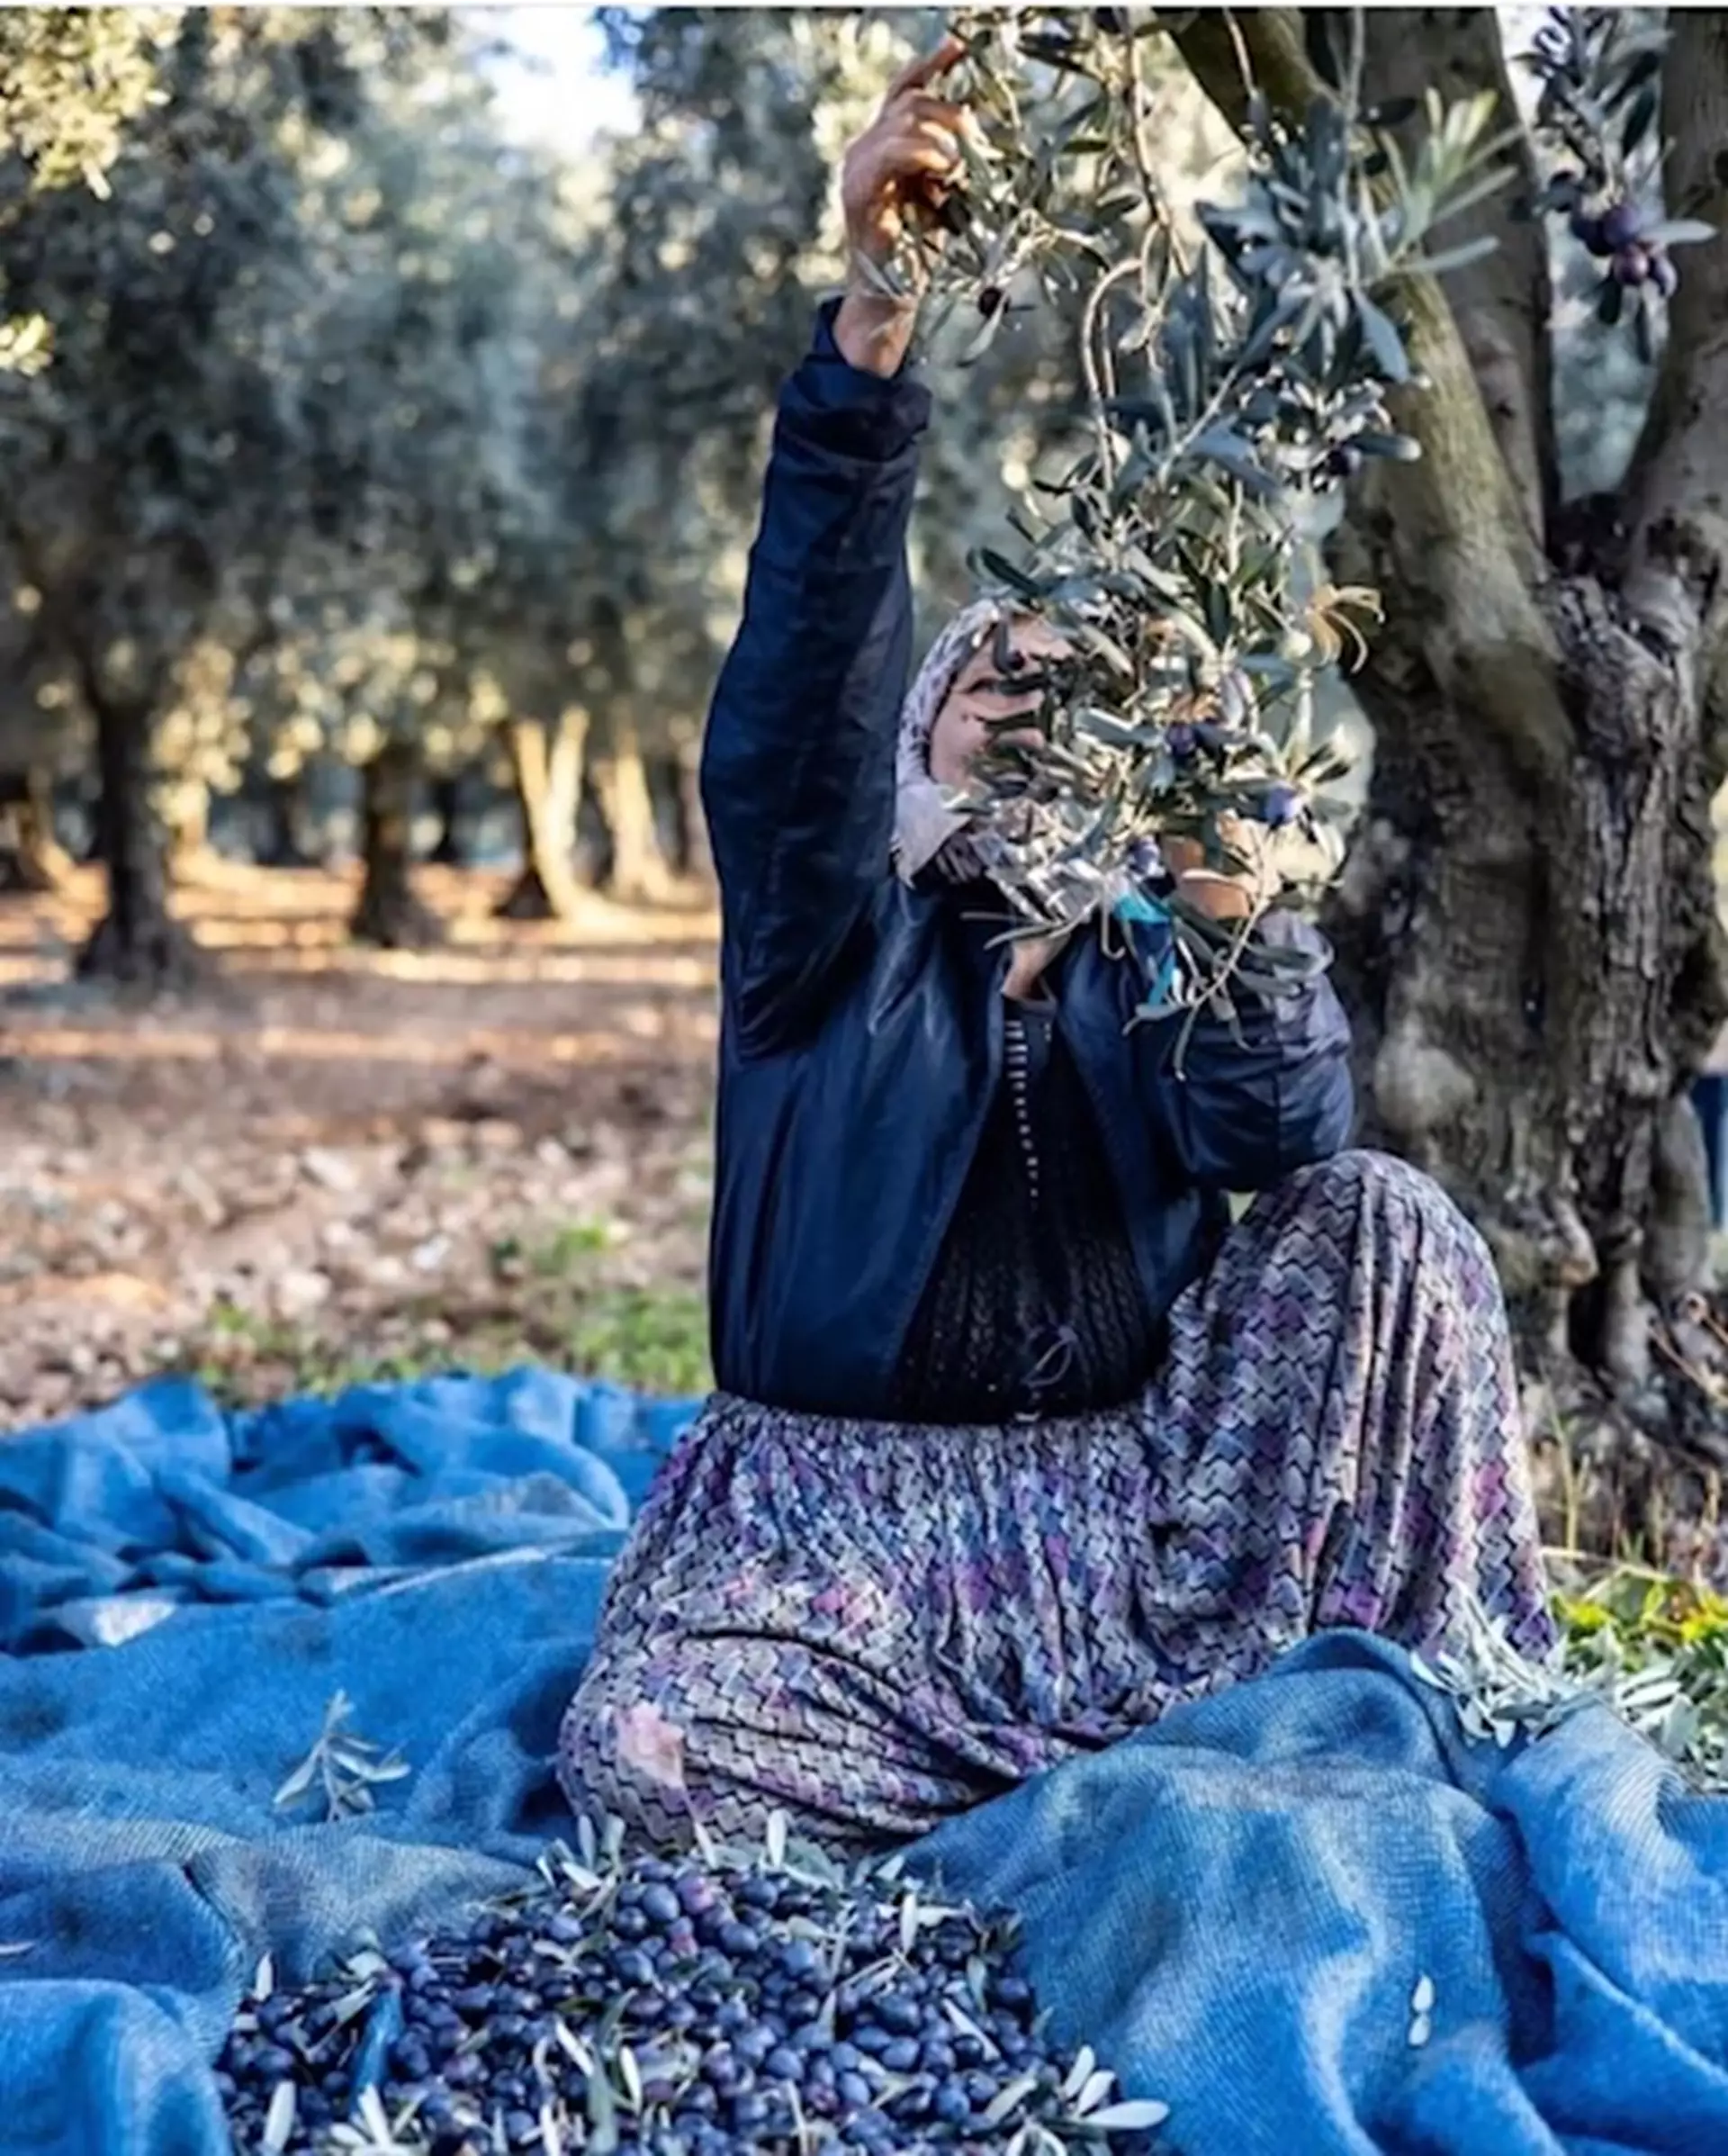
point(797, 765)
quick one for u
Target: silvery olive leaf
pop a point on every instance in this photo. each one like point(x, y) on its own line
point(1135, 2115)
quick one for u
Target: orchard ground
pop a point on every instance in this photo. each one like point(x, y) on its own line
point(333, 1163)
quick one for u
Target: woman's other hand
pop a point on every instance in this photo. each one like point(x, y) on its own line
point(893, 177)
point(1225, 896)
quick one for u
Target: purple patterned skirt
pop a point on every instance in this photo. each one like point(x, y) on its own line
point(871, 1626)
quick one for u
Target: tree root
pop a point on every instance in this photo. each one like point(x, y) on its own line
point(396, 919)
point(161, 957)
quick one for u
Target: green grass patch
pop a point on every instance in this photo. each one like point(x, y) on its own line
point(654, 1339)
point(1635, 1624)
point(559, 1312)
point(569, 1251)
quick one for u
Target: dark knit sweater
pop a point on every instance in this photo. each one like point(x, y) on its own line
point(1035, 1306)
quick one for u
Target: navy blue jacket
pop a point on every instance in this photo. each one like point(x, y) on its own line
point(861, 1023)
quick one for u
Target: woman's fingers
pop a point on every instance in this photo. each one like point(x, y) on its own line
point(935, 123)
point(905, 153)
point(911, 151)
point(922, 157)
point(900, 169)
point(918, 72)
point(902, 141)
point(941, 111)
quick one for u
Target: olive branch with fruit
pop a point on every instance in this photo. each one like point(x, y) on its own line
point(1596, 116)
point(1232, 391)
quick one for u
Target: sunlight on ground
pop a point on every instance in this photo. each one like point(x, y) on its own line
point(324, 1161)
point(317, 953)
point(296, 922)
point(522, 1050)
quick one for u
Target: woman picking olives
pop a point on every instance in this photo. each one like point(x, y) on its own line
point(1018, 1440)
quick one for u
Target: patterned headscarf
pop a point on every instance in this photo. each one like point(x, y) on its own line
point(929, 831)
point(1032, 864)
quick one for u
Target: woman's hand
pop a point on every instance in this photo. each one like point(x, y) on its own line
point(893, 177)
point(1226, 897)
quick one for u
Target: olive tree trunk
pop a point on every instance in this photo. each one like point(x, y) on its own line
point(287, 841)
point(450, 850)
point(636, 872)
point(1527, 929)
point(698, 855)
point(674, 785)
point(547, 765)
point(634, 869)
point(138, 941)
point(32, 857)
point(391, 912)
point(1531, 970)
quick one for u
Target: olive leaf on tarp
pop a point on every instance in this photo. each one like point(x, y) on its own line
point(1231, 393)
point(341, 1768)
point(1657, 1657)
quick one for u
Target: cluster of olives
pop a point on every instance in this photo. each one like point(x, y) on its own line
point(700, 2008)
point(1277, 804)
point(1621, 237)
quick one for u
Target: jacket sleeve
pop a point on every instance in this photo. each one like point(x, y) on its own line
point(1244, 1105)
point(798, 760)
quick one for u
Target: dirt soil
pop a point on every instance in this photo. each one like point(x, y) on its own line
point(332, 1161)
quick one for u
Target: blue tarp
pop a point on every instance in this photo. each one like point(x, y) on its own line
point(1234, 1909)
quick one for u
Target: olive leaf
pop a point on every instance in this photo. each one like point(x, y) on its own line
point(279, 2120)
point(1136, 2115)
point(341, 1767)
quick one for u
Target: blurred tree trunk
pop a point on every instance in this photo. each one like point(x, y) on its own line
point(1527, 929)
point(187, 821)
point(31, 858)
point(592, 858)
point(660, 770)
point(697, 860)
point(138, 941)
point(287, 842)
point(637, 873)
point(636, 870)
point(450, 850)
point(674, 784)
point(547, 764)
point(390, 913)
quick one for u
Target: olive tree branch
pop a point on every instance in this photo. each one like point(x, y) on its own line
point(1501, 303)
point(1675, 580)
point(1453, 545)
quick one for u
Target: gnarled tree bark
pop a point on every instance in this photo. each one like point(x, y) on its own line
point(1527, 928)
